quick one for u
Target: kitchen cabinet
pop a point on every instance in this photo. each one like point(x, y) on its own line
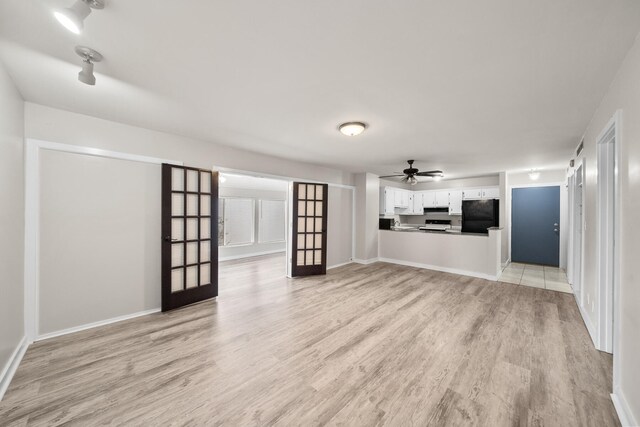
point(472, 194)
point(491, 193)
point(418, 203)
point(401, 198)
point(481, 193)
point(442, 199)
point(428, 199)
point(455, 202)
point(387, 201)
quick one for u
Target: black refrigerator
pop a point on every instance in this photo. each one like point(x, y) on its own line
point(479, 215)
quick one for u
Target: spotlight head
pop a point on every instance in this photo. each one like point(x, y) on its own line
point(72, 17)
point(89, 56)
point(86, 75)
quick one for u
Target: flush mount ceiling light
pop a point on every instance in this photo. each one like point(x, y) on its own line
point(352, 128)
point(89, 56)
point(534, 174)
point(71, 18)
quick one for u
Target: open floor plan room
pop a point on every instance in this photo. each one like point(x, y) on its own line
point(363, 345)
point(299, 213)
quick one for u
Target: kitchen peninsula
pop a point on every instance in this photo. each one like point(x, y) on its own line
point(469, 254)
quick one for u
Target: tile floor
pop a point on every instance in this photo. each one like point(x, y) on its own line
point(537, 276)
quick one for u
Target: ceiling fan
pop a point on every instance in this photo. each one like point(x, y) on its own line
point(409, 175)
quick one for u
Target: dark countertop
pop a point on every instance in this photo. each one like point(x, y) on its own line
point(456, 233)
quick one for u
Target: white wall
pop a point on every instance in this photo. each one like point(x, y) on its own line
point(552, 176)
point(76, 129)
point(624, 94)
point(11, 219)
point(257, 248)
point(367, 215)
point(480, 181)
point(100, 249)
point(51, 124)
point(340, 226)
point(504, 224)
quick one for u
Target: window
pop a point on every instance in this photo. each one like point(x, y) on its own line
point(237, 222)
point(271, 224)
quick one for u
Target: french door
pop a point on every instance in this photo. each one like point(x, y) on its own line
point(189, 235)
point(309, 229)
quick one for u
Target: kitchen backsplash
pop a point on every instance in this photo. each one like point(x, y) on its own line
point(456, 220)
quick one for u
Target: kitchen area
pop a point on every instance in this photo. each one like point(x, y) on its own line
point(454, 229)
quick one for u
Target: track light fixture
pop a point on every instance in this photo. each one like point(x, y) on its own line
point(89, 56)
point(71, 18)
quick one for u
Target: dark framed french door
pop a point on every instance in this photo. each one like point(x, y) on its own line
point(189, 235)
point(309, 230)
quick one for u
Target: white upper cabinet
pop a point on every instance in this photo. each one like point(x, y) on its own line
point(387, 201)
point(401, 198)
point(455, 202)
point(472, 194)
point(428, 199)
point(418, 203)
point(491, 193)
point(404, 202)
point(442, 199)
point(481, 193)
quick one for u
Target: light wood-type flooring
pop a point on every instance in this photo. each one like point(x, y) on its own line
point(363, 345)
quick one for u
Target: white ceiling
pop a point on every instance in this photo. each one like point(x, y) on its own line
point(469, 87)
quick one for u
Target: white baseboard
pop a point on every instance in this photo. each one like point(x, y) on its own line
point(587, 322)
point(96, 324)
point(366, 261)
point(622, 408)
point(11, 366)
point(339, 265)
point(253, 254)
point(438, 268)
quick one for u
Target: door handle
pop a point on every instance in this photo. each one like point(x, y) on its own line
point(555, 225)
point(555, 229)
point(169, 239)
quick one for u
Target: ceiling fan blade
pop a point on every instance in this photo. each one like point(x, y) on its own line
point(430, 173)
point(391, 176)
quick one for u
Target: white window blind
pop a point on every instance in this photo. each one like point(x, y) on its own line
point(238, 221)
point(271, 226)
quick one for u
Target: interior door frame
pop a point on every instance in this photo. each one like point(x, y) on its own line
point(289, 180)
point(32, 223)
point(563, 218)
point(609, 290)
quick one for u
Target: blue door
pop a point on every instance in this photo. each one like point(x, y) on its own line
point(535, 225)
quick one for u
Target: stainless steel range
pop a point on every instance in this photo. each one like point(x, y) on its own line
point(436, 225)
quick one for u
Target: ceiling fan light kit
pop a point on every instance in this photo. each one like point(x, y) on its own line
point(409, 175)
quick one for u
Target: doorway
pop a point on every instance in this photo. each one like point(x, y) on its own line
point(577, 228)
point(607, 220)
point(252, 230)
point(535, 225)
